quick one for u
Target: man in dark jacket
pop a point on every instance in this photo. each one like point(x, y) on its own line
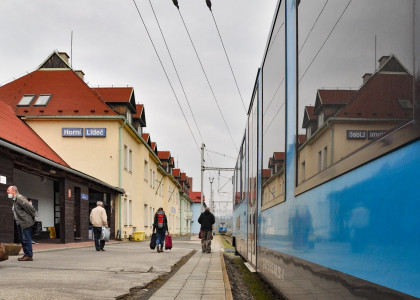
point(24, 214)
point(160, 224)
point(206, 220)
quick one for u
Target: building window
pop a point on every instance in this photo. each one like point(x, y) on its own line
point(26, 100)
point(125, 212)
point(302, 170)
point(320, 161)
point(130, 160)
point(146, 170)
point(324, 157)
point(42, 100)
point(405, 103)
point(320, 119)
point(153, 179)
point(308, 132)
point(129, 117)
point(146, 215)
point(129, 212)
point(152, 216)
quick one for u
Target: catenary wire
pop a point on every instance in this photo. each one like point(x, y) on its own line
point(176, 71)
point(335, 25)
point(227, 57)
point(323, 44)
point(313, 25)
point(167, 77)
point(208, 81)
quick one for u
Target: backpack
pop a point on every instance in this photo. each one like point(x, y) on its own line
point(160, 217)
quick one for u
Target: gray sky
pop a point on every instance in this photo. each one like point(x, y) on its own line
point(111, 46)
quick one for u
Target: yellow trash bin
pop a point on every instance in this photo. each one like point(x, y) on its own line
point(139, 235)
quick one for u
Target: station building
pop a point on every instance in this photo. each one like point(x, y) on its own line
point(100, 132)
point(343, 121)
point(61, 195)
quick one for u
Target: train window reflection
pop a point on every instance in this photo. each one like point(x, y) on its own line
point(355, 78)
point(273, 116)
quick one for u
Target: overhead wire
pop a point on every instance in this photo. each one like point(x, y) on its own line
point(219, 153)
point(227, 57)
point(176, 70)
point(313, 25)
point(208, 81)
point(166, 74)
point(325, 41)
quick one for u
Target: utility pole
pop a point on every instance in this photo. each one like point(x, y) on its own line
point(202, 174)
point(211, 204)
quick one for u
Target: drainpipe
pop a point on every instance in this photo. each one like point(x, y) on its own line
point(120, 174)
point(332, 141)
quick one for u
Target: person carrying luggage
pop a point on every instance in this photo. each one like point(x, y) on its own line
point(160, 224)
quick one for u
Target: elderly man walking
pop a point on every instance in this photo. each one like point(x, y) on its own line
point(24, 214)
point(206, 220)
point(98, 218)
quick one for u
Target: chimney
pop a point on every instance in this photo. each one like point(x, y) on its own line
point(64, 56)
point(366, 77)
point(80, 74)
point(382, 61)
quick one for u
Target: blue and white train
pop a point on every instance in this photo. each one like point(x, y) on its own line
point(326, 185)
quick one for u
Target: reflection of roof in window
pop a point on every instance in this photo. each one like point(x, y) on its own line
point(42, 100)
point(26, 100)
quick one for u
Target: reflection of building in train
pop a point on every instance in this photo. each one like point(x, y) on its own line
point(273, 181)
point(342, 121)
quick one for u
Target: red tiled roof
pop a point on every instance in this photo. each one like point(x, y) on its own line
point(335, 96)
point(114, 94)
point(278, 155)
point(146, 137)
point(139, 109)
point(378, 98)
point(196, 197)
point(70, 94)
point(15, 131)
point(183, 176)
point(154, 146)
point(164, 155)
point(266, 173)
point(301, 138)
point(176, 173)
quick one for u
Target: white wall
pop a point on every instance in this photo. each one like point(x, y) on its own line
point(30, 186)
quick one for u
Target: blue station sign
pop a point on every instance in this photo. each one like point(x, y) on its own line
point(84, 196)
point(72, 132)
point(95, 132)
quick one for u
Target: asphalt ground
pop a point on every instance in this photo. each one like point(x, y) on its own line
point(84, 273)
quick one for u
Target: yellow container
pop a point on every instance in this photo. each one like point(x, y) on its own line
point(139, 235)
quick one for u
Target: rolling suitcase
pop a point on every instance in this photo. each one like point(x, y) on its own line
point(168, 242)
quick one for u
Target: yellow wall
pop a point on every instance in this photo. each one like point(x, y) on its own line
point(96, 156)
point(341, 145)
point(100, 158)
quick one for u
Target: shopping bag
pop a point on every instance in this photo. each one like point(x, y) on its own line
point(168, 242)
point(105, 234)
point(199, 235)
point(3, 253)
point(153, 241)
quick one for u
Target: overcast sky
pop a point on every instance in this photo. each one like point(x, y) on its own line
point(111, 46)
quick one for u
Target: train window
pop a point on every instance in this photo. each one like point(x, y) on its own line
point(273, 115)
point(239, 177)
point(358, 75)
